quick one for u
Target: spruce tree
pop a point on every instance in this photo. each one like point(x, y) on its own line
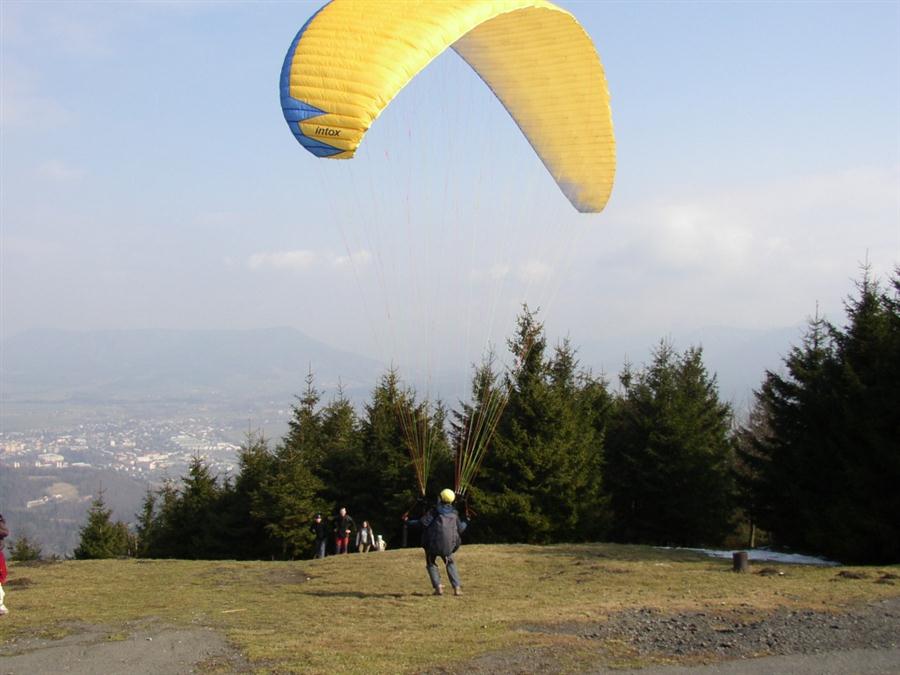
point(829, 463)
point(541, 478)
point(23, 549)
point(101, 537)
point(289, 491)
point(248, 506)
point(200, 526)
point(669, 455)
point(147, 525)
point(379, 483)
point(305, 426)
point(863, 520)
point(339, 450)
point(164, 540)
point(288, 501)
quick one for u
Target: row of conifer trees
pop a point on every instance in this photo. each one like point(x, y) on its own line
point(656, 460)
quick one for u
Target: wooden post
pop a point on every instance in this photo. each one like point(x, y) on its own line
point(740, 561)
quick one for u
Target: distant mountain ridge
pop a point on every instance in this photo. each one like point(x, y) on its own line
point(166, 364)
point(271, 363)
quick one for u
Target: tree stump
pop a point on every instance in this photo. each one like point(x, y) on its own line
point(740, 561)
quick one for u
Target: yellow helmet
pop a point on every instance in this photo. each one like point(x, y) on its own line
point(447, 496)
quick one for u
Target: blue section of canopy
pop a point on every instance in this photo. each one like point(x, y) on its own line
point(285, 83)
point(295, 110)
point(298, 111)
point(318, 148)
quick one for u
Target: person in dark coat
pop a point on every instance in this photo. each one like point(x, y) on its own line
point(320, 529)
point(343, 527)
point(441, 538)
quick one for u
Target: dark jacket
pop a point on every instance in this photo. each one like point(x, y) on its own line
point(319, 529)
point(441, 530)
point(342, 524)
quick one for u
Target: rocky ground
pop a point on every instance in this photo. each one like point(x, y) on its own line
point(742, 633)
point(867, 636)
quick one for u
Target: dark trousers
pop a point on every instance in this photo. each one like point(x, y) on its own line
point(435, 574)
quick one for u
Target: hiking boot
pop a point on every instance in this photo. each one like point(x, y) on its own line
point(457, 590)
point(439, 590)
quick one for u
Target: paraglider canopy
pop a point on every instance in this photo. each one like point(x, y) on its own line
point(352, 57)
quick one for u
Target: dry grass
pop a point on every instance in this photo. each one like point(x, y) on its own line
point(376, 613)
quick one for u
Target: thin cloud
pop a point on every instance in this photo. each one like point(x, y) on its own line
point(305, 259)
point(356, 258)
point(751, 255)
point(534, 271)
point(59, 171)
point(282, 260)
point(807, 221)
point(21, 104)
point(499, 271)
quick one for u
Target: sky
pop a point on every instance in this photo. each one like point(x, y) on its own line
point(148, 180)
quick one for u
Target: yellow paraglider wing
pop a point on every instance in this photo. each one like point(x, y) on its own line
point(353, 56)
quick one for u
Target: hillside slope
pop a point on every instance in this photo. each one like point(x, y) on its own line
point(559, 605)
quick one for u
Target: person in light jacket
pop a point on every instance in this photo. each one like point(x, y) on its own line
point(365, 538)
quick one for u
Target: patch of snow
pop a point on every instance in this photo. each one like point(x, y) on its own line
point(765, 555)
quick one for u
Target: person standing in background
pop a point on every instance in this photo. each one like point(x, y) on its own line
point(365, 538)
point(343, 528)
point(4, 533)
point(320, 530)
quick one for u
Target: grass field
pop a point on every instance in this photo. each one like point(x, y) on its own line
point(377, 610)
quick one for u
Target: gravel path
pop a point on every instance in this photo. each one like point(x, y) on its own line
point(145, 650)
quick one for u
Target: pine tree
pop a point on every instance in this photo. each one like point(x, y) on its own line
point(101, 537)
point(541, 479)
point(305, 426)
point(828, 466)
point(199, 510)
point(147, 525)
point(339, 451)
point(669, 456)
point(284, 490)
point(863, 525)
point(289, 493)
point(245, 512)
point(748, 467)
point(24, 549)
point(381, 484)
point(165, 541)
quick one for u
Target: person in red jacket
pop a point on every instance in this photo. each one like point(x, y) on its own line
point(4, 533)
point(343, 528)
